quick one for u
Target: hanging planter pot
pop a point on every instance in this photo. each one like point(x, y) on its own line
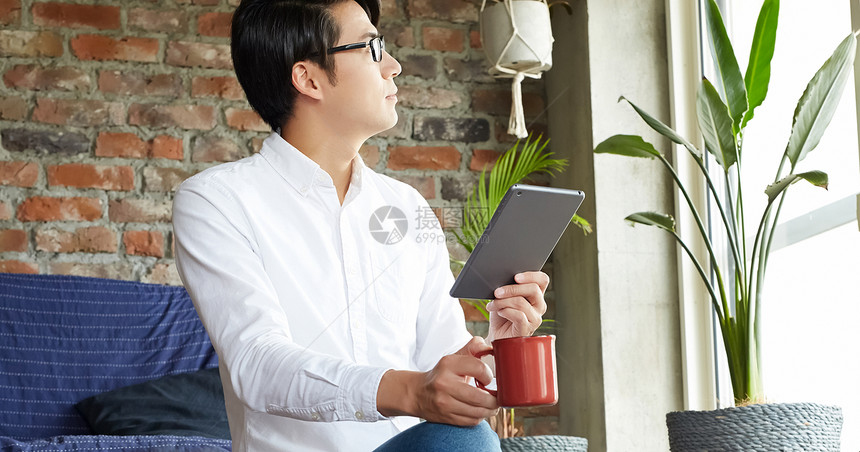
point(763, 428)
point(517, 38)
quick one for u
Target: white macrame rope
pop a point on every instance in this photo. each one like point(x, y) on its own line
point(517, 122)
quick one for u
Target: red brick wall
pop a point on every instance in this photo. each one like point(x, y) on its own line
point(106, 107)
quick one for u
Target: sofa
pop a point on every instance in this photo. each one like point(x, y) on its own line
point(78, 353)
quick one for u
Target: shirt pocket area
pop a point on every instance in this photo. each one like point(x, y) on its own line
point(397, 286)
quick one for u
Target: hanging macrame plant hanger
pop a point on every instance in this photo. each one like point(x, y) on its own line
point(517, 38)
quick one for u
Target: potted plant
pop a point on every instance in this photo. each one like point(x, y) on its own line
point(723, 113)
point(514, 166)
point(517, 38)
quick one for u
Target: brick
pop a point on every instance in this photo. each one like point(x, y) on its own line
point(99, 47)
point(38, 78)
point(82, 175)
point(13, 266)
point(200, 117)
point(138, 83)
point(540, 426)
point(475, 39)
point(432, 97)
point(13, 240)
point(446, 10)
point(257, 144)
point(10, 12)
point(423, 66)
point(199, 54)
point(131, 210)
point(498, 102)
point(76, 16)
point(540, 411)
point(163, 273)
point(5, 211)
point(115, 270)
point(471, 312)
point(467, 130)
point(214, 24)
point(459, 70)
point(223, 87)
point(44, 208)
point(369, 155)
point(457, 188)
point(443, 39)
point(30, 43)
point(425, 185)
point(19, 174)
point(45, 141)
point(483, 158)
point(242, 119)
point(129, 145)
point(423, 157)
point(144, 243)
point(13, 108)
point(388, 10)
point(399, 35)
point(215, 149)
point(199, 2)
point(156, 20)
point(92, 239)
point(157, 179)
point(75, 112)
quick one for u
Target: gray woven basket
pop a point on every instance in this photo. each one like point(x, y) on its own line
point(762, 428)
point(544, 443)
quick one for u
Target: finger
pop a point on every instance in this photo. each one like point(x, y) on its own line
point(540, 278)
point(469, 366)
point(529, 291)
point(532, 315)
point(473, 401)
point(519, 320)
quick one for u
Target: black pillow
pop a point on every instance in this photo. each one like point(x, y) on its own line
point(190, 404)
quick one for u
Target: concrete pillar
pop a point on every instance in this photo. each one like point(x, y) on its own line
point(616, 289)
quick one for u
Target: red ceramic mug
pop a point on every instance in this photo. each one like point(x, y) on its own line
point(525, 371)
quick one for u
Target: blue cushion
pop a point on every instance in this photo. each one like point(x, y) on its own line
point(66, 338)
point(118, 444)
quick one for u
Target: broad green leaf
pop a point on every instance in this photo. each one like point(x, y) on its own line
point(716, 125)
point(757, 76)
point(818, 103)
point(726, 65)
point(817, 178)
point(663, 129)
point(628, 146)
point(660, 220)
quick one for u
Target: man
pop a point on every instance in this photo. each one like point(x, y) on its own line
point(329, 337)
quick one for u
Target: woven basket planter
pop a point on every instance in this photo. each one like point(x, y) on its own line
point(544, 443)
point(762, 428)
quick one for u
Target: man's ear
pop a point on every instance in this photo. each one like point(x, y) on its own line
point(305, 78)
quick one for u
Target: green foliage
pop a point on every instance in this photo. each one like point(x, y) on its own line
point(722, 118)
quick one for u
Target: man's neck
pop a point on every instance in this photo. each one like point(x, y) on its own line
point(329, 149)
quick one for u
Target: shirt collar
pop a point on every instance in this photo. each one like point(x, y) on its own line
point(301, 171)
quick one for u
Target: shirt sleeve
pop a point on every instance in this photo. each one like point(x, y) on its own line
point(237, 303)
point(441, 325)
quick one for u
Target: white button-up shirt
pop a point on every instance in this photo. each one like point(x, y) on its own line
point(307, 301)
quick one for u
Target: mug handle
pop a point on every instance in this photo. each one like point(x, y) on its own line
point(481, 385)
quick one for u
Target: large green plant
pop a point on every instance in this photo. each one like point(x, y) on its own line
point(722, 117)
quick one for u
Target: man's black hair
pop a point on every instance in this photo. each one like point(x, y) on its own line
point(270, 36)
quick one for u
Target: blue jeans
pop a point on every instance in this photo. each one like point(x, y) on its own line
point(431, 437)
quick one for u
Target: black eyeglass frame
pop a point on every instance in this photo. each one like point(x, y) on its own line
point(376, 55)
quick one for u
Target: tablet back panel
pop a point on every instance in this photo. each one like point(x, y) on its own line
point(520, 237)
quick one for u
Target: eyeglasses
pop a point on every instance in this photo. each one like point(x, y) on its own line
point(377, 46)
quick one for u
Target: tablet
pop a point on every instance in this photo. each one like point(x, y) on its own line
point(520, 237)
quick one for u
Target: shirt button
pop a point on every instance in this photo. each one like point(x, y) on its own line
point(359, 415)
point(351, 269)
point(315, 416)
point(304, 189)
